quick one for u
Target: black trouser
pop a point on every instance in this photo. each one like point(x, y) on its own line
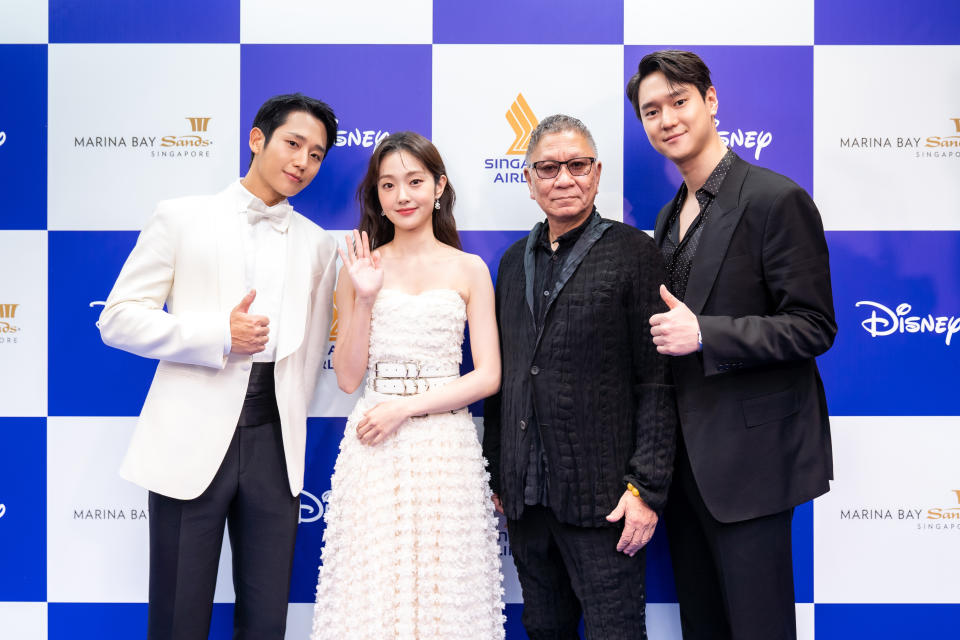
point(565, 570)
point(734, 580)
point(251, 493)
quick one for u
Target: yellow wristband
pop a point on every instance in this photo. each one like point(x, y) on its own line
point(632, 489)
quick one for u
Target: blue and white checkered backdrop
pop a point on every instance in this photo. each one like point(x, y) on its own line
point(107, 106)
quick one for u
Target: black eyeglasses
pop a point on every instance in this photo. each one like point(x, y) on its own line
point(547, 169)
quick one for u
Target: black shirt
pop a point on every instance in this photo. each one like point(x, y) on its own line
point(678, 255)
point(547, 266)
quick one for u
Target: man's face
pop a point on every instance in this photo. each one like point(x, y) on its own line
point(564, 197)
point(677, 120)
point(286, 165)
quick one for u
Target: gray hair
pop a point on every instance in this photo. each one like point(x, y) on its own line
point(558, 123)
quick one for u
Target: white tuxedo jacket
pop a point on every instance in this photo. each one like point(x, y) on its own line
point(189, 258)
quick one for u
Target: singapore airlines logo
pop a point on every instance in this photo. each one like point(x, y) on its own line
point(198, 124)
point(523, 122)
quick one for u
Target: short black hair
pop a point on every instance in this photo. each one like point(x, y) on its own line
point(680, 67)
point(274, 113)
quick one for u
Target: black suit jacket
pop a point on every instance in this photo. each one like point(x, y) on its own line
point(752, 407)
point(591, 377)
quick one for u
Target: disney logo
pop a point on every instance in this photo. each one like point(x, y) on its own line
point(891, 321)
point(3, 137)
point(312, 509)
point(358, 138)
point(757, 140)
point(3, 510)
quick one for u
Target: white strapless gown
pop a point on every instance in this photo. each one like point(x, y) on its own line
point(410, 549)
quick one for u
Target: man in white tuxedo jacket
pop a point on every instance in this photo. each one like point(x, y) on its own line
point(233, 294)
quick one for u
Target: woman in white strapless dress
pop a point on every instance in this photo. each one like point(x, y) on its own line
point(410, 548)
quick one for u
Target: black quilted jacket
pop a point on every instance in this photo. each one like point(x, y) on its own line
point(604, 405)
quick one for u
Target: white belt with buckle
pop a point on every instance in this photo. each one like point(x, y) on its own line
point(410, 378)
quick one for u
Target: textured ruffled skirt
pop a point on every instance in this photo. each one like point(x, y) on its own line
point(410, 548)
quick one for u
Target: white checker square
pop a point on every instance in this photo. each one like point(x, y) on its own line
point(474, 88)
point(97, 540)
point(23, 323)
point(97, 526)
point(23, 620)
point(328, 22)
point(727, 22)
point(24, 21)
point(887, 152)
point(133, 124)
point(887, 531)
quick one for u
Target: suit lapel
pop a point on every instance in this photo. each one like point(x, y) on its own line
point(715, 239)
point(229, 250)
point(660, 230)
point(296, 289)
point(530, 268)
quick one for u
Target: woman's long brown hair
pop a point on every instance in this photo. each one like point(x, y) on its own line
point(378, 226)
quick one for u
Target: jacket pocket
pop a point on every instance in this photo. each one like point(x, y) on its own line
point(770, 408)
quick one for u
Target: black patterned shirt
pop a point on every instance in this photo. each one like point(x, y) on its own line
point(678, 255)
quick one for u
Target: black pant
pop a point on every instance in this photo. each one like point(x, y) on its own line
point(565, 570)
point(251, 493)
point(734, 580)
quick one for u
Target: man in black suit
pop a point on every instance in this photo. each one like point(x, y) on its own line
point(581, 434)
point(751, 308)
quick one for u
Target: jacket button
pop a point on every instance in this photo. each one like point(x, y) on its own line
point(534, 370)
point(523, 425)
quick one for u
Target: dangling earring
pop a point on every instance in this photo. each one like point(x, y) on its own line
point(382, 213)
point(436, 204)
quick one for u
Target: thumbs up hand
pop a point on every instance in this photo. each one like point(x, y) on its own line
point(248, 333)
point(676, 332)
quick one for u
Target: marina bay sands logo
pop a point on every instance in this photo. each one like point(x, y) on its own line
point(183, 145)
point(923, 518)
point(946, 145)
point(509, 167)
point(8, 330)
point(884, 321)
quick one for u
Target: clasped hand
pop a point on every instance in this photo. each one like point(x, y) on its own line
point(676, 332)
point(382, 420)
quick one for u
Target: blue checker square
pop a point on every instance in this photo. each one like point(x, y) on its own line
point(765, 114)
point(23, 136)
point(124, 21)
point(369, 94)
point(23, 510)
point(119, 621)
point(323, 445)
point(898, 313)
point(86, 377)
point(885, 621)
point(887, 22)
point(527, 22)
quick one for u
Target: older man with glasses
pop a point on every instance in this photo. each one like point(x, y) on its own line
point(580, 439)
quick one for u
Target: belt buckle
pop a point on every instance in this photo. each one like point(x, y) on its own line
point(410, 370)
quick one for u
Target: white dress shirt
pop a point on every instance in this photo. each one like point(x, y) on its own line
point(265, 253)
